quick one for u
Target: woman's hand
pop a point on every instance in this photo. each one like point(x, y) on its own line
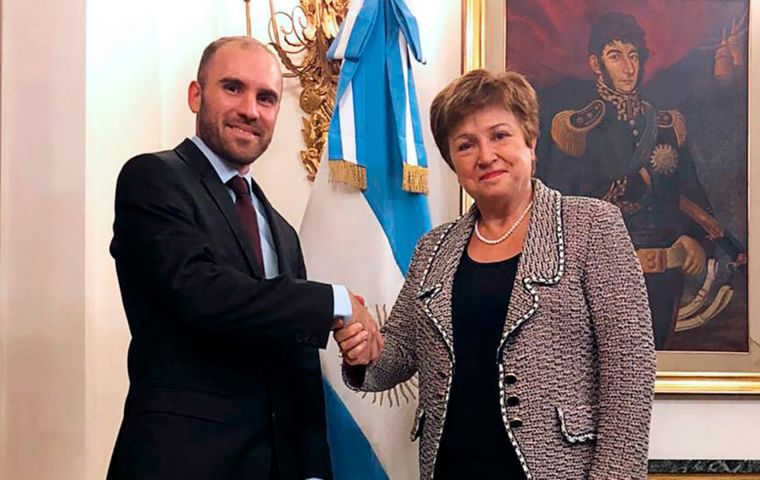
point(357, 345)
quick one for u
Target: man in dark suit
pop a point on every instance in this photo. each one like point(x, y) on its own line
point(225, 380)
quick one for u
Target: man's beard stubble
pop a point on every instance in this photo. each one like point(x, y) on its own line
point(211, 137)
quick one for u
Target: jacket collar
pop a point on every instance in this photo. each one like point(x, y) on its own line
point(541, 262)
point(195, 158)
point(628, 105)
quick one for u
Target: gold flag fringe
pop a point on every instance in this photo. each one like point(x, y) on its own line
point(415, 179)
point(348, 173)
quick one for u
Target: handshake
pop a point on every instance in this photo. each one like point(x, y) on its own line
point(360, 341)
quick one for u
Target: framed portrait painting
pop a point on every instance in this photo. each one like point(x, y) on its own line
point(646, 104)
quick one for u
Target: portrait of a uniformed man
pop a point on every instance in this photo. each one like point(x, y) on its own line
point(651, 116)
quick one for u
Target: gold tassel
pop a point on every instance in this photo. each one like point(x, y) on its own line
point(348, 173)
point(415, 179)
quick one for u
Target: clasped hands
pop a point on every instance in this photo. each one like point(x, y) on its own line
point(360, 341)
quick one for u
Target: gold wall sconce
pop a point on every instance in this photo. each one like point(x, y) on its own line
point(301, 39)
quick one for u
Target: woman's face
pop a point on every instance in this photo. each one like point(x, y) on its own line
point(490, 156)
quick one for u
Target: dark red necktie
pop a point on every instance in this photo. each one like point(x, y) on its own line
point(247, 215)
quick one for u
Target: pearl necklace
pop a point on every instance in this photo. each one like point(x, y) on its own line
point(506, 235)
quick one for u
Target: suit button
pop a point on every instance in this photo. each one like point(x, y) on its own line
point(516, 423)
point(513, 401)
point(511, 379)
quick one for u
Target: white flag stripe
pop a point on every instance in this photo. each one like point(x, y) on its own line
point(347, 127)
point(411, 150)
point(348, 27)
point(343, 242)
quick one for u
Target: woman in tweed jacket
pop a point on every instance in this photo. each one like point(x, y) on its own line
point(559, 384)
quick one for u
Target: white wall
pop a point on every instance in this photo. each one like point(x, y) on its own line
point(83, 89)
point(42, 294)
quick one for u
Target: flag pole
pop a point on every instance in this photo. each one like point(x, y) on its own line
point(248, 17)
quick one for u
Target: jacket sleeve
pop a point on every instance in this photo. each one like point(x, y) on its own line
point(398, 361)
point(160, 246)
point(617, 297)
point(307, 392)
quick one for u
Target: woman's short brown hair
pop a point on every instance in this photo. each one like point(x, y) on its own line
point(479, 89)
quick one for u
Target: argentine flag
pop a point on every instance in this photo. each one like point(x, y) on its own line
point(363, 221)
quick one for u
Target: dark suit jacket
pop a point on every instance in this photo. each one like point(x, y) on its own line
point(224, 373)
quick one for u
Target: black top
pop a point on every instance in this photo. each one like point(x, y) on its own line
point(475, 442)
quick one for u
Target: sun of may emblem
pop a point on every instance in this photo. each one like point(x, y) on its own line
point(402, 394)
point(664, 160)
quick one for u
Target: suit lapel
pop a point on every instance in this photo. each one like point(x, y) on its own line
point(221, 197)
point(280, 229)
point(541, 263)
point(541, 260)
point(437, 286)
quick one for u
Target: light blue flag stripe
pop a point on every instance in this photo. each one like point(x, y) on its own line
point(408, 24)
point(380, 101)
point(353, 457)
point(358, 33)
point(404, 216)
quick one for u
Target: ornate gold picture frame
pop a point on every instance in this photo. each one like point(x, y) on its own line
point(484, 34)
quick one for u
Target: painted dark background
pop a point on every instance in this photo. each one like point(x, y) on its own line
point(547, 41)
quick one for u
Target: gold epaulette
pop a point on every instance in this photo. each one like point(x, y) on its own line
point(675, 120)
point(569, 127)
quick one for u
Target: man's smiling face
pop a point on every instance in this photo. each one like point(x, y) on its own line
point(237, 102)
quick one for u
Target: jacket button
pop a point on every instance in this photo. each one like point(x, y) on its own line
point(516, 423)
point(511, 379)
point(513, 401)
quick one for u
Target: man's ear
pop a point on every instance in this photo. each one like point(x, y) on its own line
point(194, 96)
point(593, 63)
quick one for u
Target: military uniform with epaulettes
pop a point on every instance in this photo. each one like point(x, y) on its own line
point(634, 156)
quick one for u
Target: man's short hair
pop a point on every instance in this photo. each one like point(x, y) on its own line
point(477, 90)
point(617, 26)
point(213, 47)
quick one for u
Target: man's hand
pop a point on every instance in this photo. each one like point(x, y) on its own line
point(354, 344)
point(694, 262)
point(360, 342)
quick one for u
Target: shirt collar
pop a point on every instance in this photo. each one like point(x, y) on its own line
point(222, 167)
point(628, 104)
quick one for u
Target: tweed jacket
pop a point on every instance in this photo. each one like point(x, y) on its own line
point(576, 359)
